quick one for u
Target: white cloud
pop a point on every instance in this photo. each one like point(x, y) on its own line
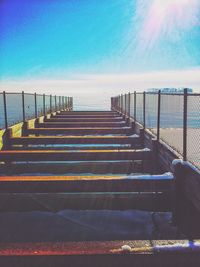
point(96, 89)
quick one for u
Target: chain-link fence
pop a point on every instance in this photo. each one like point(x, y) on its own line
point(193, 129)
point(18, 107)
point(171, 121)
point(173, 118)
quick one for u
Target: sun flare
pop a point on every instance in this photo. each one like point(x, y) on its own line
point(168, 18)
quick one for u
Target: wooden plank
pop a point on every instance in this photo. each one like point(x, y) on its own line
point(175, 253)
point(75, 140)
point(74, 184)
point(83, 155)
point(79, 131)
point(50, 124)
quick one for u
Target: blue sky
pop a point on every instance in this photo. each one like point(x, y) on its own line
point(77, 40)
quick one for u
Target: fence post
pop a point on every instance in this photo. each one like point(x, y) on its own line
point(185, 124)
point(23, 107)
point(158, 116)
point(144, 110)
point(44, 110)
point(35, 98)
point(5, 110)
point(135, 96)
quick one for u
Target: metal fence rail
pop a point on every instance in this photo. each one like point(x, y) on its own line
point(173, 118)
point(19, 107)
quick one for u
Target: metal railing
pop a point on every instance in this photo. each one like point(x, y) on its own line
point(19, 107)
point(173, 118)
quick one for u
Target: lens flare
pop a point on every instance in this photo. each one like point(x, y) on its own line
point(168, 19)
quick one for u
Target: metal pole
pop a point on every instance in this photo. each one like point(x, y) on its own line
point(158, 115)
point(23, 107)
point(144, 110)
point(135, 106)
point(35, 96)
point(185, 124)
point(5, 110)
point(44, 110)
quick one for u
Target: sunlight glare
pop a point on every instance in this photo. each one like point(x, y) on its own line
point(168, 19)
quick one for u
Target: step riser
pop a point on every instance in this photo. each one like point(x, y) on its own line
point(74, 140)
point(78, 125)
point(97, 116)
point(61, 148)
point(111, 113)
point(105, 201)
point(82, 131)
point(73, 156)
point(78, 168)
point(61, 119)
point(87, 184)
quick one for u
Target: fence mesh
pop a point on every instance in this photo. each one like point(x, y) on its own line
point(193, 130)
point(40, 108)
point(29, 104)
point(47, 104)
point(14, 108)
point(132, 105)
point(139, 107)
point(123, 103)
point(151, 111)
point(171, 121)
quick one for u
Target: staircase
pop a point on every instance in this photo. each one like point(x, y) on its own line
point(80, 160)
